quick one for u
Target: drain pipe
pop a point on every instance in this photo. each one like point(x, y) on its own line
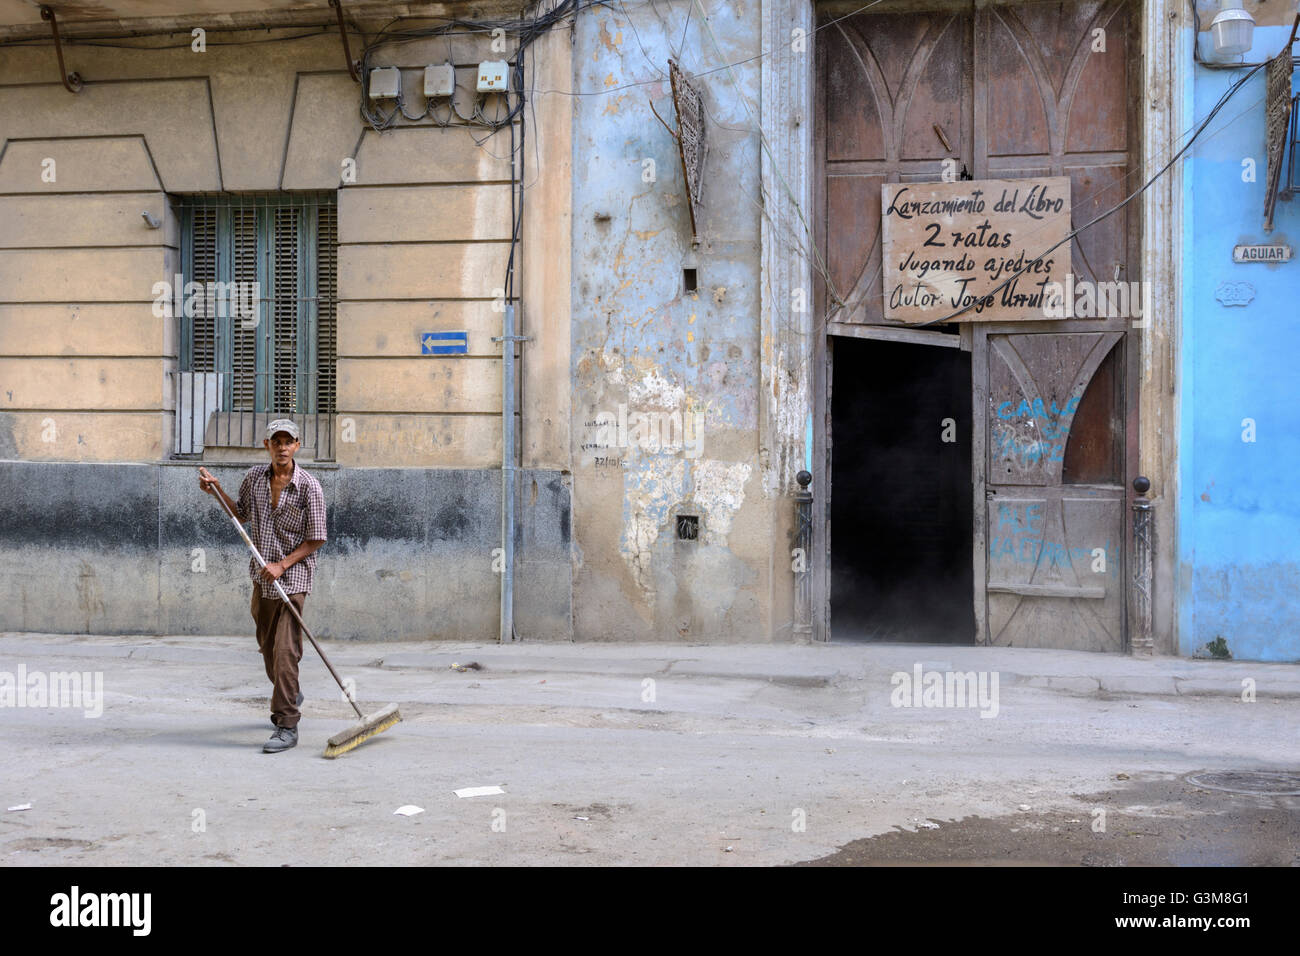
point(508, 467)
point(509, 459)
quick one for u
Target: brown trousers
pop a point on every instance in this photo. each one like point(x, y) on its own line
point(279, 638)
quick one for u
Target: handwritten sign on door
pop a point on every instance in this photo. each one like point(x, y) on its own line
point(973, 245)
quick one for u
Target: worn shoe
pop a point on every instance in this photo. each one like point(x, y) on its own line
point(297, 703)
point(282, 739)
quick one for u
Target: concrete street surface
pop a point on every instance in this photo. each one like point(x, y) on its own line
point(648, 754)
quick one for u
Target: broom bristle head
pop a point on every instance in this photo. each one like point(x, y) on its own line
point(373, 724)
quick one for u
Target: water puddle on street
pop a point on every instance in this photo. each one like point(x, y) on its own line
point(1162, 820)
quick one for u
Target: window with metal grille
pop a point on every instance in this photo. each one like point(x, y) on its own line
point(258, 321)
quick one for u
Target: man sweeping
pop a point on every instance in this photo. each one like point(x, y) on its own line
point(287, 509)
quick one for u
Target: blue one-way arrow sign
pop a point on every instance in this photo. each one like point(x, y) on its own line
point(444, 343)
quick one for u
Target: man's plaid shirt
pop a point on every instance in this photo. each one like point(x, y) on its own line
point(277, 533)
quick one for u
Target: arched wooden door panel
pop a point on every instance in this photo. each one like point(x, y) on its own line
point(888, 83)
point(1055, 549)
point(1008, 90)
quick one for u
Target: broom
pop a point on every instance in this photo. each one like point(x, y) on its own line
point(371, 724)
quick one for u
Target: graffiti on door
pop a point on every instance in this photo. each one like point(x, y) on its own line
point(1018, 534)
point(1050, 421)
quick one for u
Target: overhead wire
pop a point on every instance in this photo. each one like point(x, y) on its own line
point(1198, 130)
point(681, 44)
point(698, 73)
point(1195, 131)
point(107, 43)
point(817, 260)
point(819, 265)
point(529, 30)
point(761, 206)
point(1119, 182)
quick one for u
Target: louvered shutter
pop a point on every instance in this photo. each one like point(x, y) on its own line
point(244, 333)
point(203, 269)
point(326, 316)
point(286, 299)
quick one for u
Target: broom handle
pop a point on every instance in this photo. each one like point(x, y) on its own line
point(284, 597)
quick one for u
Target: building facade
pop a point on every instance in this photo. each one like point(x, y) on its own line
point(561, 353)
point(1239, 428)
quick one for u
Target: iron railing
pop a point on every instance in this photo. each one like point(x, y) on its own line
point(206, 427)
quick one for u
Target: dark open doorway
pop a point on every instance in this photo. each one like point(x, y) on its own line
point(901, 536)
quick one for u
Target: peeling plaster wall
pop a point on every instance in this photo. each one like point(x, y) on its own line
point(1239, 513)
point(666, 412)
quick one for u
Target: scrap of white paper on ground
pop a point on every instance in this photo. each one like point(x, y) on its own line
point(22, 806)
point(409, 810)
point(477, 791)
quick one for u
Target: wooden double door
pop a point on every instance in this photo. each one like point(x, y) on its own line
point(1005, 92)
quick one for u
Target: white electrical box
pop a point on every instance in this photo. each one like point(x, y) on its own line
point(439, 80)
point(385, 83)
point(493, 76)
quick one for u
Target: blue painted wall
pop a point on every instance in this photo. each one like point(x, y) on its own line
point(645, 344)
point(1239, 507)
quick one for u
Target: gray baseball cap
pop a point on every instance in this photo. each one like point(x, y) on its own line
point(282, 425)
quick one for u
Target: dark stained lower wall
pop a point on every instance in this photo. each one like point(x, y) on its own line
point(138, 549)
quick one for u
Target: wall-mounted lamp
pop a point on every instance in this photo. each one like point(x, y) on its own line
point(1233, 29)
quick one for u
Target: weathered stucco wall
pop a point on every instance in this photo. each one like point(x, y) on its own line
point(1239, 437)
point(423, 239)
point(106, 548)
point(82, 372)
point(666, 381)
point(424, 236)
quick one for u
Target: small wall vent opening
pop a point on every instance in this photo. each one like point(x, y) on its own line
point(688, 527)
point(689, 282)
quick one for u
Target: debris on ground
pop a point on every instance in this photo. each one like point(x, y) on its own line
point(471, 666)
point(21, 806)
point(477, 791)
point(409, 810)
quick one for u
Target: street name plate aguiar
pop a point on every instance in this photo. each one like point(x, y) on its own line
point(951, 246)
